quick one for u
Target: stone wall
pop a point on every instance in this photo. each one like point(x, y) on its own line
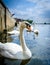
point(10, 22)
point(2, 19)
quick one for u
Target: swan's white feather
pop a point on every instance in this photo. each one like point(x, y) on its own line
point(16, 32)
point(13, 51)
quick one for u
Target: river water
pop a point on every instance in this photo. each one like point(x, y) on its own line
point(38, 44)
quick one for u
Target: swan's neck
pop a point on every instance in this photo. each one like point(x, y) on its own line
point(22, 40)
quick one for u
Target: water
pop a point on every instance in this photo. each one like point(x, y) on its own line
point(38, 44)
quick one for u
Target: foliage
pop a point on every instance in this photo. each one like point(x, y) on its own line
point(30, 21)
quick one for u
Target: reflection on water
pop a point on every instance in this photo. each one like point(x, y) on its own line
point(5, 61)
point(38, 44)
point(5, 38)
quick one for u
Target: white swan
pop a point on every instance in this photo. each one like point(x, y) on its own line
point(15, 51)
point(14, 32)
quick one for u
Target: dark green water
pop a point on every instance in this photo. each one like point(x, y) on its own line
point(39, 46)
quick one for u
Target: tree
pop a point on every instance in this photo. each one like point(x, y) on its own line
point(30, 21)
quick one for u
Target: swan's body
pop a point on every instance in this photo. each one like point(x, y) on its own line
point(16, 32)
point(15, 51)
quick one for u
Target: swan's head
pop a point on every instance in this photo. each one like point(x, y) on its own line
point(27, 26)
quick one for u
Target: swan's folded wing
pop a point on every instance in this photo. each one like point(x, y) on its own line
point(9, 49)
point(13, 48)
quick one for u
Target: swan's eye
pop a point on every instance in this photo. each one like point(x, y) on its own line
point(27, 24)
